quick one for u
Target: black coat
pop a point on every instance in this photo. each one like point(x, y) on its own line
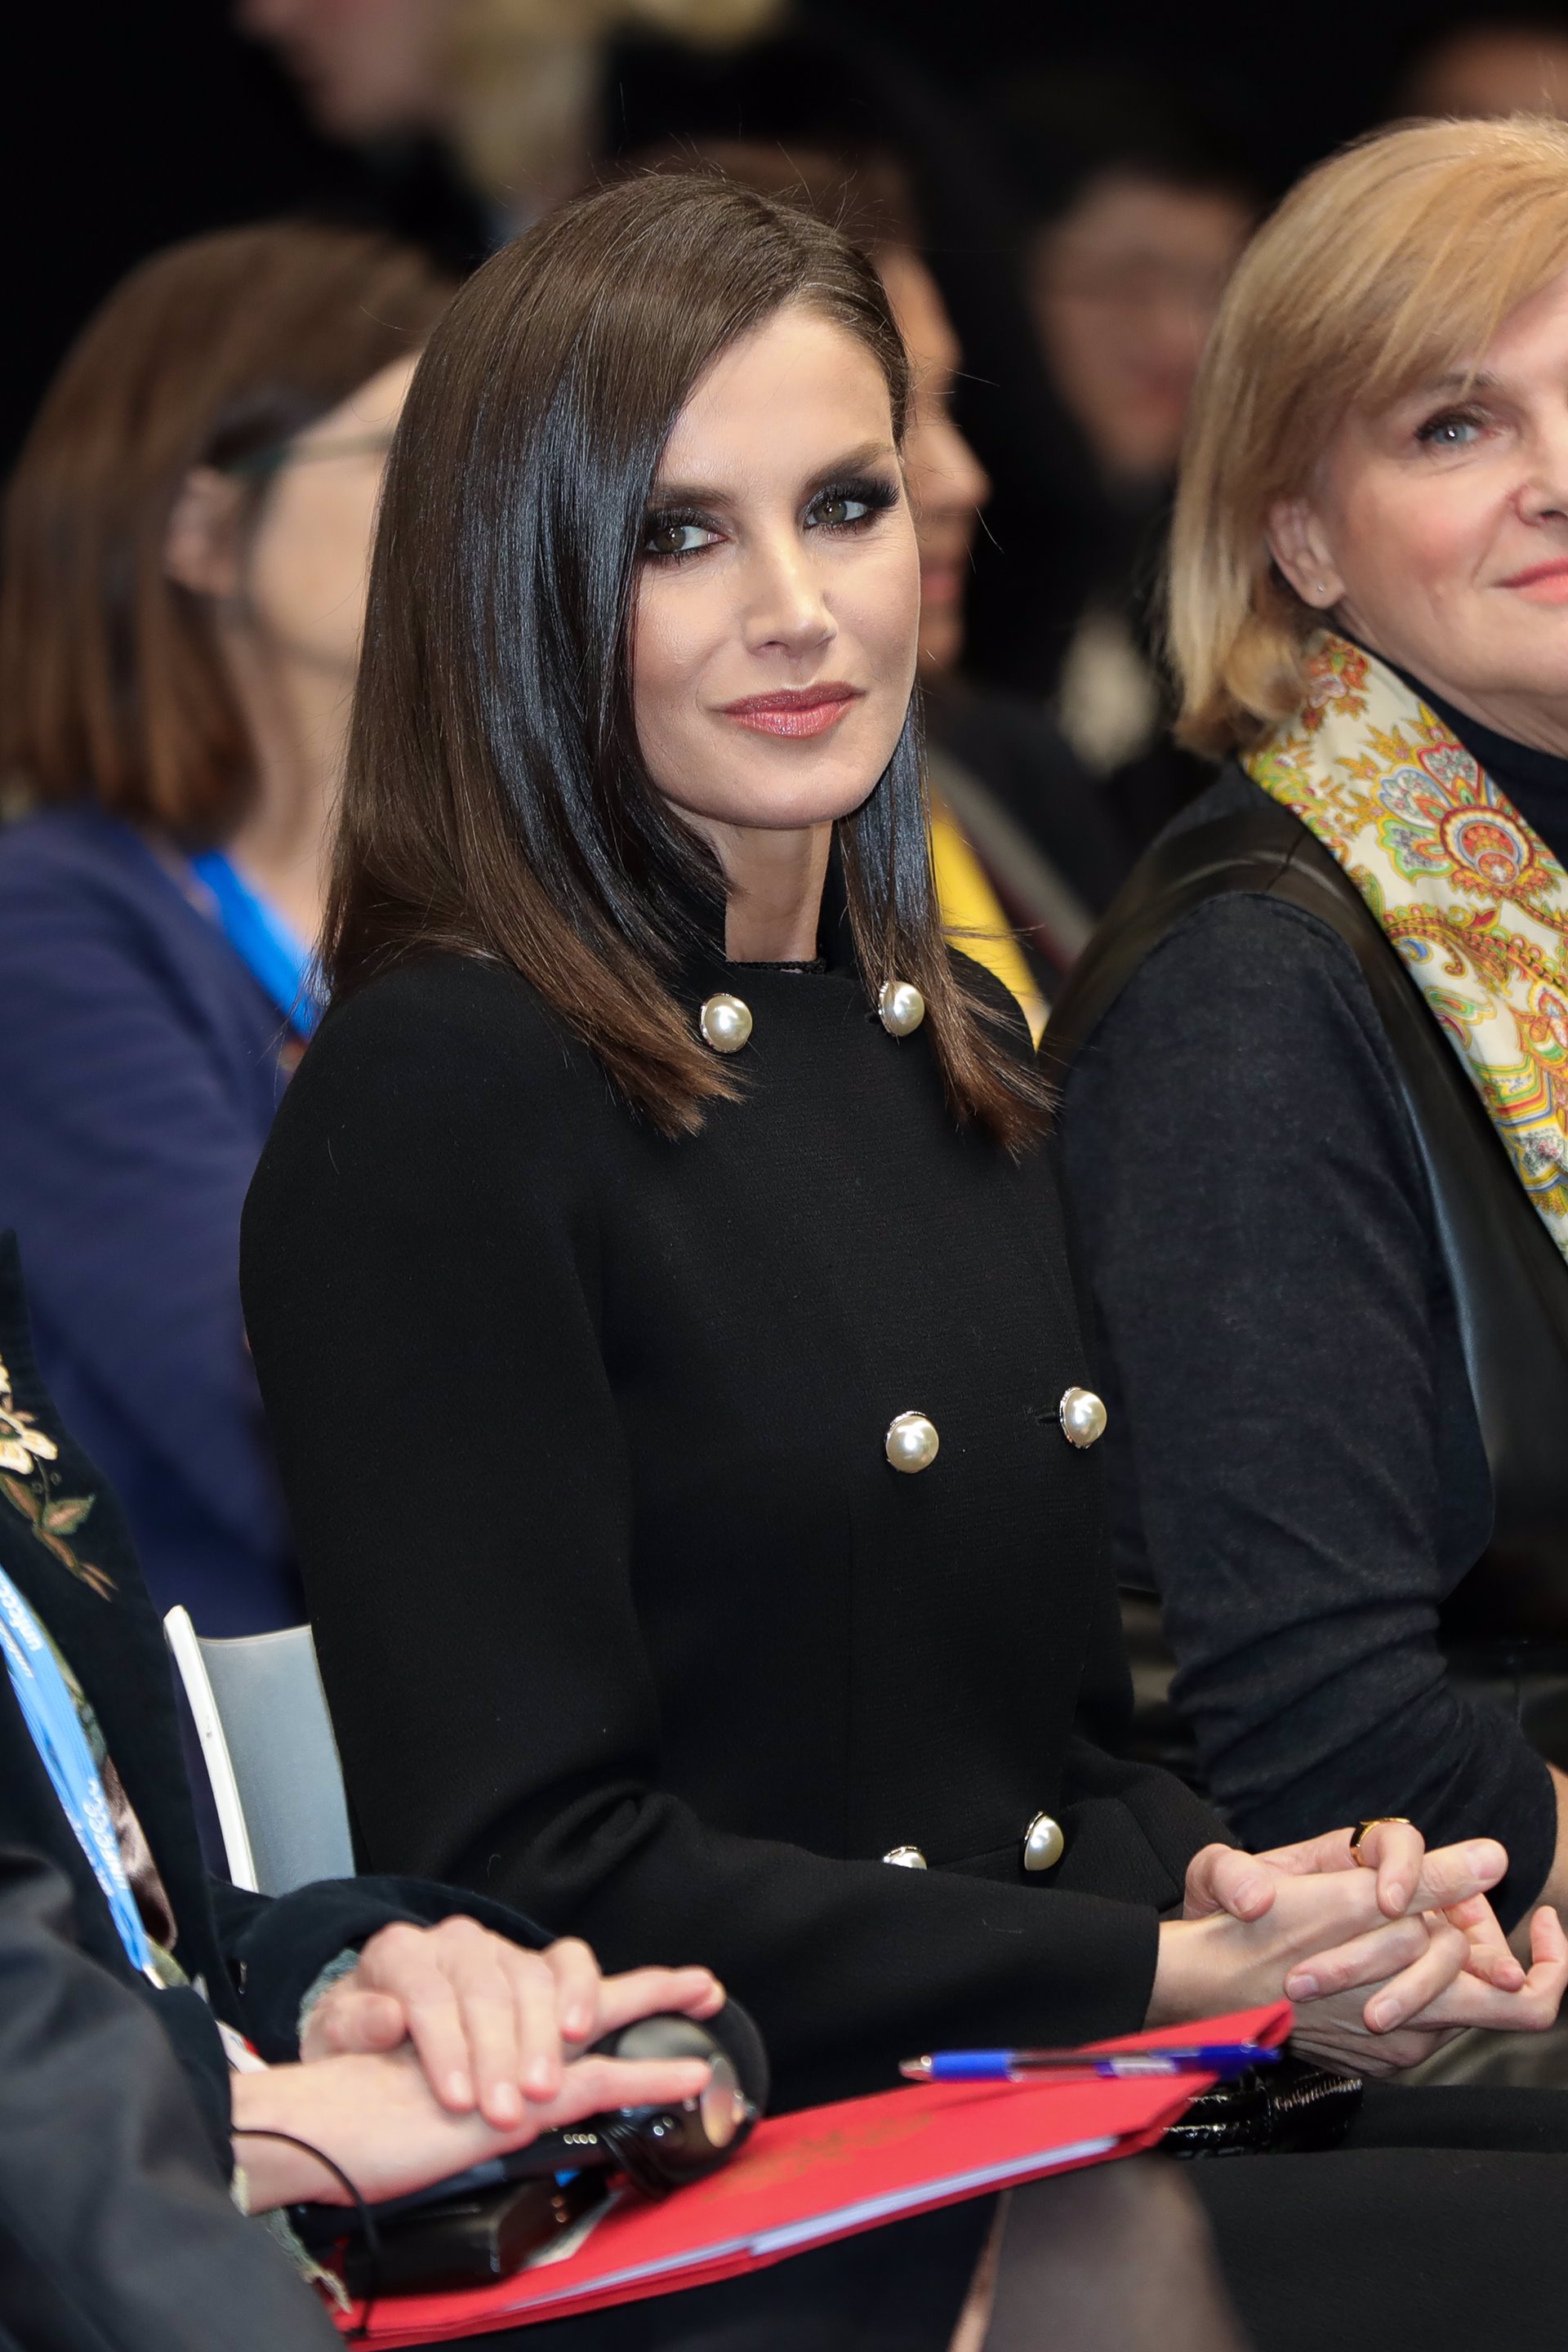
point(622, 1612)
point(1296, 1463)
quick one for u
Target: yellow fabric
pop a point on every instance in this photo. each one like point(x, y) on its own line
point(973, 918)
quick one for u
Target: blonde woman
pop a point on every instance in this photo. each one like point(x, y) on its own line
point(1319, 1139)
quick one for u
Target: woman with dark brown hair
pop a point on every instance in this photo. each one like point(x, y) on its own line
point(187, 540)
point(657, 1286)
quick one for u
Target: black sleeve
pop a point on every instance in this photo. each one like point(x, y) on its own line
point(276, 1947)
point(116, 2226)
point(1257, 1234)
point(420, 1266)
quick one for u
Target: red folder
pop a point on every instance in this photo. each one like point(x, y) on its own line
point(828, 2172)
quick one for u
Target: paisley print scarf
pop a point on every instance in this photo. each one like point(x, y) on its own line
point(1472, 898)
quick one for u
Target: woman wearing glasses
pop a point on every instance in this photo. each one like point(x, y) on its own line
point(185, 560)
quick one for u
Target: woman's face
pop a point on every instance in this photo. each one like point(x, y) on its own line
point(1124, 291)
point(778, 597)
point(305, 569)
point(288, 582)
point(1438, 533)
point(947, 483)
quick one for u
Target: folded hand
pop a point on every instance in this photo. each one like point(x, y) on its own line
point(1429, 1954)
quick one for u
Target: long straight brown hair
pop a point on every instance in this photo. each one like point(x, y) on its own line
point(215, 352)
point(496, 802)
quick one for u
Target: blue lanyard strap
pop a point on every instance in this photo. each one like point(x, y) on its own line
point(51, 1717)
point(263, 942)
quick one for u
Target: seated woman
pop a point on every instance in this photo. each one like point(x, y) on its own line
point(656, 1286)
point(186, 537)
point(402, 2039)
point(1326, 1249)
point(1034, 825)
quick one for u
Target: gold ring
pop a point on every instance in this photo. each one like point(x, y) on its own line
point(1376, 1821)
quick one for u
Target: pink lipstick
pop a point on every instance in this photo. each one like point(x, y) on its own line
point(1543, 583)
point(795, 711)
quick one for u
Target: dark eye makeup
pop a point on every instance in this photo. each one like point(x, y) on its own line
point(675, 534)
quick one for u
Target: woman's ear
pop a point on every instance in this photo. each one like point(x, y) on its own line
point(202, 543)
point(1299, 545)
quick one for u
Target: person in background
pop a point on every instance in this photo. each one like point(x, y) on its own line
point(1491, 62)
point(508, 97)
point(1133, 219)
point(1315, 1124)
point(1021, 836)
point(186, 542)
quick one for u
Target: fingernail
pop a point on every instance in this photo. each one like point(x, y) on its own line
point(540, 2078)
point(1250, 1890)
point(1399, 1892)
point(1382, 2013)
point(1301, 1987)
point(460, 2089)
point(577, 2024)
point(1482, 1860)
point(506, 2105)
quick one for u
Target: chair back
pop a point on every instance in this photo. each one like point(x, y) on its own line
point(267, 1738)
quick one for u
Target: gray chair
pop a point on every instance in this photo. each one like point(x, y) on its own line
point(266, 1740)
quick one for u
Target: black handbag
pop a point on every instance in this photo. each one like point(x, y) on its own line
point(1286, 2109)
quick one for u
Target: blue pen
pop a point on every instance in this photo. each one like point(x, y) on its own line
point(1225, 2059)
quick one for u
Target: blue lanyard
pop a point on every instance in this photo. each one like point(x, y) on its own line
point(51, 1717)
point(263, 942)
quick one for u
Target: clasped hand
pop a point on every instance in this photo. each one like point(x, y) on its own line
point(1385, 1957)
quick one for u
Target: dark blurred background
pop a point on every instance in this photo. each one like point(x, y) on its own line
point(130, 126)
point(1078, 180)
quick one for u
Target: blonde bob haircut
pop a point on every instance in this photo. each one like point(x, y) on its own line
point(1390, 265)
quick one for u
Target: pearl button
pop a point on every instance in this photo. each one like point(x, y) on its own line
point(1043, 1844)
point(911, 1441)
point(905, 1858)
point(900, 1007)
point(1082, 1416)
point(725, 1022)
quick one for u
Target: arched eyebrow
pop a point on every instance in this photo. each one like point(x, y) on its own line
point(706, 494)
point(1456, 379)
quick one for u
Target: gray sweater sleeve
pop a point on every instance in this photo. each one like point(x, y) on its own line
point(1298, 1456)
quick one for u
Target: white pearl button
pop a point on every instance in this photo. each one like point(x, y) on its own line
point(905, 1858)
point(1082, 1416)
point(900, 1007)
point(911, 1441)
point(725, 1022)
point(1043, 1844)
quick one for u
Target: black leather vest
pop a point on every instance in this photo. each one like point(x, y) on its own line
point(1508, 1279)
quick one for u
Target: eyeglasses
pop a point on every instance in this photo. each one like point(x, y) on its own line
point(260, 464)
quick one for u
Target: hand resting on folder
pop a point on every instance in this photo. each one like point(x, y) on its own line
point(374, 2113)
point(491, 2024)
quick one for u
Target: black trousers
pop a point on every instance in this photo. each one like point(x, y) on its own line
point(1438, 2225)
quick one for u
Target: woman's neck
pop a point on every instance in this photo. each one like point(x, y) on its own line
point(774, 900)
point(296, 718)
point(1538, 721)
